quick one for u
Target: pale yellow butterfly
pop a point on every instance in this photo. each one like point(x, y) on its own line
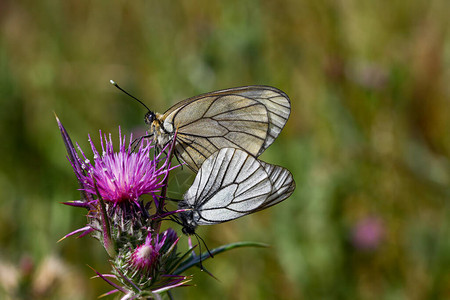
point(249, 118)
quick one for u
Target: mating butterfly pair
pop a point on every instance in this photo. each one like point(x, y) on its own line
point(220, 134)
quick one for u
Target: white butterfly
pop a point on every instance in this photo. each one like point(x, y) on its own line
point(230, 184)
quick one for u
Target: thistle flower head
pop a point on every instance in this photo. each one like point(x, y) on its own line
point(145, 258)
point(112, 185)
point(123, 176)
point(368, 234)
point(150, 265)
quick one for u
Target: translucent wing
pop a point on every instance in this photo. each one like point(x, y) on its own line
point(283, 185)
point(230, 184)
point(248, 118)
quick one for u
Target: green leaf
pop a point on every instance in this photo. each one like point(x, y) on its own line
point(193, 259)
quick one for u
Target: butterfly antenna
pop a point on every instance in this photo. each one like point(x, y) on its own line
point(206, 246)
point(200, 250)
point(117, 86)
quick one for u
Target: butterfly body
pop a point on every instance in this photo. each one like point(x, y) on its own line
point(248, 118)
point(188, 218)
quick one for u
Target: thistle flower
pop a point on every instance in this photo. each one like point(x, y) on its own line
point(368, 234)
point(143, 259)
point(122, 176)
point(150, 265)
point(112, 186)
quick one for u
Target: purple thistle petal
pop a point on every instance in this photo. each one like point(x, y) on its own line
point(172, 247)
point(105, 275)
point(109, 293)
point(118, 287)
point(73, 159)
point(85, 230)
point(77, 203)
point(180, 281)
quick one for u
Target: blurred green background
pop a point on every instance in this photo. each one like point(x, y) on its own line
point(368, 138)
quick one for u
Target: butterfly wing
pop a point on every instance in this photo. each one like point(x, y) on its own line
point(278, 108)
point(248, 118)
point(230, 184)
point(283, 184)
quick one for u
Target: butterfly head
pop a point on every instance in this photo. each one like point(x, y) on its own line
point(187, 220)
point(149, 117)
point(188, 229)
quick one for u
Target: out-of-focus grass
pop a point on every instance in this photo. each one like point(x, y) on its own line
point(368, 137)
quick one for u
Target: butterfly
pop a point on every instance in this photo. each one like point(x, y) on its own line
point(249, 118)
point(230, 184)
